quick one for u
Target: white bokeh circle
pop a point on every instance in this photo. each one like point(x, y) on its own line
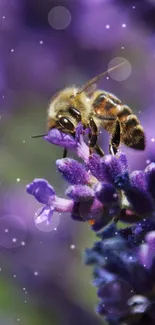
point(122, 72)
point(59, 17)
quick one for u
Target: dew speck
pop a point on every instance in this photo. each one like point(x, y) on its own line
point(12, 231)
point(123, 25)
point(72, 246)
point(107, 26)
point(12, 50)
point(14, 275)
point(122, 47)
point(18, 180)
point(36, 273)
point(41, 42)
point(148, 161)
point(22, 243)
point(153, 140)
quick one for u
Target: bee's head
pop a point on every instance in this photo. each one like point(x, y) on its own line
point(63, 112)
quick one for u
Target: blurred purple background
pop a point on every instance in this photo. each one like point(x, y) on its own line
point(46, 45)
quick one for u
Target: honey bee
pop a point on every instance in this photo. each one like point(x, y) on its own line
point(98, 109)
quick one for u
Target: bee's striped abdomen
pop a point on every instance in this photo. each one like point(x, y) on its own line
point(132, 134)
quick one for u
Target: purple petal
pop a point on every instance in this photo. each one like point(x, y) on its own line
point(45, 215)
point(123, 161)
point(141, 201)
point(145, 257)
point(72, 171)
point(80, 193)
point(146, 251)
point(138, 194)
point(150, 239)
point(138, 180)
point(83, 150)
point(150, 176)
point(59, 138)
point(113, 166)
point(96, 166)
point(106, 193)
point(79, 132)
point(41, 190)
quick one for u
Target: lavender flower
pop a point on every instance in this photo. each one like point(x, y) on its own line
point(102, 191)
point(102, 188)
point(124, 274)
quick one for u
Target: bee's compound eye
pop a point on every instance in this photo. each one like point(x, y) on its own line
point(66, 123)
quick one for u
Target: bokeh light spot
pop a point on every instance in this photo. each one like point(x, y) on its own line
point(59, 17)
point(72, 246)
point(12, 231)
point(122, 72)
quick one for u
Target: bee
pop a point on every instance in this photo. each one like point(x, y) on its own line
point(99, 109)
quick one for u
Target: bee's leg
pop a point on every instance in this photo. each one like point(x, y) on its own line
point(93, 135)
point(115, 139)
point(65, 153)
point(93, 138)
point(99, 151)
point(75, 113)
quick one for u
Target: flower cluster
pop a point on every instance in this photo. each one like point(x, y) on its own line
point(103, 191)
point(124, 273)
point(100, 189)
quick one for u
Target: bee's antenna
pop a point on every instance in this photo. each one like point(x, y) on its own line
point(38, 136)
point(94, 80)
